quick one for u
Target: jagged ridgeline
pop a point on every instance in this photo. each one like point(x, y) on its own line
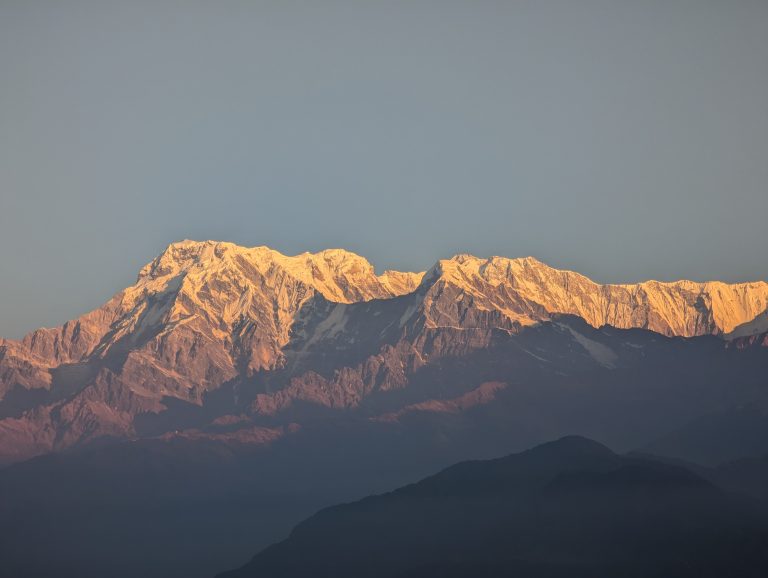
point(258, 341)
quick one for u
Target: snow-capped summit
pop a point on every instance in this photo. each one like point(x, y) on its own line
point(321, 328)
point(528, 291)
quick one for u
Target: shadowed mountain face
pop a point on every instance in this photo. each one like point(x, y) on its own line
point(194, 503)
point(213, 335)
point(730, 434)
point(231, 392)
point(567, 508)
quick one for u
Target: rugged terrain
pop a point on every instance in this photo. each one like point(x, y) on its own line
point(213, 333)
point(567, 508)
point(231, 392)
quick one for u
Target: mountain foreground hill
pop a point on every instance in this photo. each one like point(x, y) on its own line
point(231, 392)
point(563, 509)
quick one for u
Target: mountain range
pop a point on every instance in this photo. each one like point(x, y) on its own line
point(568, 508)
point(318, 329)
point(231, 392)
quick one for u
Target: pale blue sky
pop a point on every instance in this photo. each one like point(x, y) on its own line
point(626, 139)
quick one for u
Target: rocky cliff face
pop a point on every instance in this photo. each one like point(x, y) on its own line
point(527, 291)
point(250, 332)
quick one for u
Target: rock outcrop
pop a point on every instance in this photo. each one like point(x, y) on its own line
point(323, 329)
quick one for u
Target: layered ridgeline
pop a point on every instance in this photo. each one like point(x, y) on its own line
point(245, 334)
point(568, 508)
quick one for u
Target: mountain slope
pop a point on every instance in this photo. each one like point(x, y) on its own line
point(231, 392)
point(232, 480)
point(729, 434)
point(567, 508)
point(222, 332)
point(529, 291)
point(199, 315)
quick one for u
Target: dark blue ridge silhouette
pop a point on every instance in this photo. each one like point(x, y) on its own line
point(566, 508)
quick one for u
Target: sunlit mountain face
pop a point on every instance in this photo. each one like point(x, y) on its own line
point(231, 392)
point(248, 341)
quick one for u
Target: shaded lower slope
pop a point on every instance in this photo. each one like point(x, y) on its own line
point(192, 503)
point(567, 508)
point(730, 434)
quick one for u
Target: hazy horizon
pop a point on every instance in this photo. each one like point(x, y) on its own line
point(623, 140)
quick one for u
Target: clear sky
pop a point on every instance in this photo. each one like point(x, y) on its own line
point(626, 139)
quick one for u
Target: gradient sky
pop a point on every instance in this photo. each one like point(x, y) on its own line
point(625, 139)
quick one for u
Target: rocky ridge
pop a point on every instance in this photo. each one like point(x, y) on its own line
point(319, 328)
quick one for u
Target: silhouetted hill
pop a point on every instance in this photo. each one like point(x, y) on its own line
point(729, 434)
point(566, 508)
point(231, 392)
point(747, 476)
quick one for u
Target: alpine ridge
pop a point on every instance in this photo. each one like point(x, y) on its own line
point(264, 331)
point(529, 291)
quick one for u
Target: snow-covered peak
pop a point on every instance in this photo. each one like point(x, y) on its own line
point(527, 291)
point(221, 291)
point(339, 275)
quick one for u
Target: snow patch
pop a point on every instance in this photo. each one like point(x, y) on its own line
point(408, 314)
point(602, 354)
point(755, 327)
point(331, 326)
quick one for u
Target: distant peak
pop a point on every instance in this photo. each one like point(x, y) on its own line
point(572, 445)
point(338, 254)
point(493, 269)
point(469, 263)
point(463, 258)
point(342, 258)
point(338, 274)
point(525, 290)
